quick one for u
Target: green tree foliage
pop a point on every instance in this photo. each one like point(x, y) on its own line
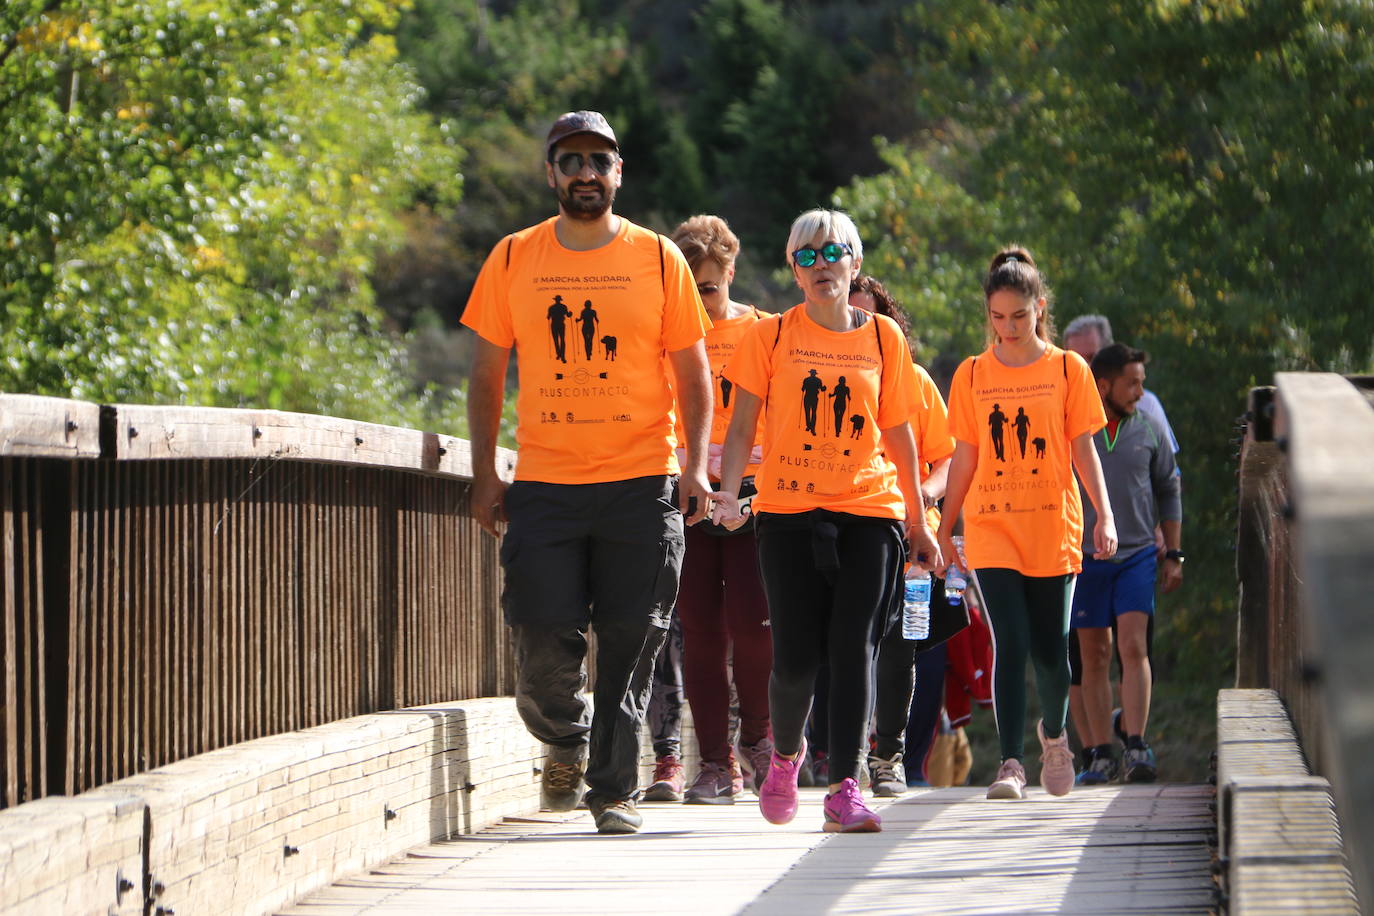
point(195, 193)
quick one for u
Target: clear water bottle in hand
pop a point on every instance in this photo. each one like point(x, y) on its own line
point(956, 578)
point(916, 604)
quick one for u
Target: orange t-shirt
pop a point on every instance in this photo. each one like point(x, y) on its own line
point(590, 329)
point(721, 343)
point(930, 423)
point(828, 394)
point(930, 427)
point(1022, 510)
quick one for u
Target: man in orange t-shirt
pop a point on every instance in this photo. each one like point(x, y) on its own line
point(594, 537)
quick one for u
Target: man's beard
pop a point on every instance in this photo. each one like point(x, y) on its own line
point(586, 209)
point(1122, 411)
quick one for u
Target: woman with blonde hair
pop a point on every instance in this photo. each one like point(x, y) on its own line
point(837, 511)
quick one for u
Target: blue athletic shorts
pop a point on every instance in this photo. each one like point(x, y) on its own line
point(1106, 590)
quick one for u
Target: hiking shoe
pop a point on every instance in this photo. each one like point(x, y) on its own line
point(560, 788)
point(1056, 762)
point(1010, 781)
point(887, 776)
point(754, 759)
point(778, 794)
point(716, 784)
point(845, 811)
point(1100, 772)
point(669, 778)
point(615, 816)
point(1138, 765)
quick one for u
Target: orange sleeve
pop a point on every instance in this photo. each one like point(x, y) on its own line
point(684, 317)
point(899, 397)
point(751, 368)
point(931, 421)
point(1083, 412)
point(488, 309)
point(961, 423)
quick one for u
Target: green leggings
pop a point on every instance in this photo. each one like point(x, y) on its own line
point(1030, 618)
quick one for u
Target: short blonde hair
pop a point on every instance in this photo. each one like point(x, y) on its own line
point(829, 224)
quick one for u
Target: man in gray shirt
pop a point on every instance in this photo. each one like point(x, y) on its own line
point(1143, 487)
point(1087, 334)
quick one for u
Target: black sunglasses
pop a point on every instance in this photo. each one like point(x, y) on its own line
point(571, 164)
point(831, 251)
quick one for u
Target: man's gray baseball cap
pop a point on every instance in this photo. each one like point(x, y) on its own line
point(580, 122)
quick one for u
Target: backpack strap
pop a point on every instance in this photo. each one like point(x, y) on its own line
point(662, 268)
point(510, 240)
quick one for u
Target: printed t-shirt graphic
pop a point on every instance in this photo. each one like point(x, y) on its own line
point(721, 342)
point(831, 457)
point(590, 329)
point(1023, 510)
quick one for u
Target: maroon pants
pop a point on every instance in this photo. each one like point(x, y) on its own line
point(721, 604)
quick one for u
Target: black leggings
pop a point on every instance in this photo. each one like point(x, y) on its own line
point(827, 602)
point(1030, 619)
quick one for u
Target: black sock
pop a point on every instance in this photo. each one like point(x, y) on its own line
point(1103, 750)
point(1135, 742)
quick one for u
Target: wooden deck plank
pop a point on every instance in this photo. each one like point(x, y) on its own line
point(944, 851)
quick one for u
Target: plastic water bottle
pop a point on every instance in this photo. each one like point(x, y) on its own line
point(916, 604)
point(955, 578)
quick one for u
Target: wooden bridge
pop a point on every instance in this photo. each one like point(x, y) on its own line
point(252, 664)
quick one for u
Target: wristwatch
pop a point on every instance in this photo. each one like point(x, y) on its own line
point(1174, 555)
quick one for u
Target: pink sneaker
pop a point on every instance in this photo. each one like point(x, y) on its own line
point(845, 811)
point(778, 794)
point(1056, 762)
point(1010, 781)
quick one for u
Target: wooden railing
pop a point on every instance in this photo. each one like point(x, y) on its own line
point(1305, 559)
point(176, 580)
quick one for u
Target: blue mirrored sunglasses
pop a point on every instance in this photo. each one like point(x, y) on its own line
point(830, 251)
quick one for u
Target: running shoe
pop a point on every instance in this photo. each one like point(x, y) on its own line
point(845, 811)
point(778, 794)
point(1101, 771)
point(887, 775)
point(716, 784)
point(1056, 762)
point(669, 780)
point(1010, 781)
point(754, 759)
point(1138, 765)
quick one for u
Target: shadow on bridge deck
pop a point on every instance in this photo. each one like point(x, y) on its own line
point(1120, 849)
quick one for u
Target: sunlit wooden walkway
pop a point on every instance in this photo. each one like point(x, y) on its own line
point(1120, 849)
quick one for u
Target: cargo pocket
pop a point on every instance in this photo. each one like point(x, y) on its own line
point(670, 550)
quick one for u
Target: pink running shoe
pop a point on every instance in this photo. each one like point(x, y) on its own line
point(1056, 762)
point(1010, 782)
point(778, 794)
point(845, 811)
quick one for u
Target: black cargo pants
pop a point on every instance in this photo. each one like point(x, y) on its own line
point(604, 557)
